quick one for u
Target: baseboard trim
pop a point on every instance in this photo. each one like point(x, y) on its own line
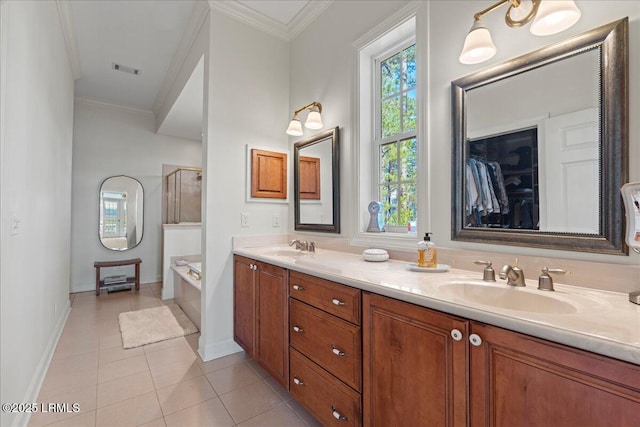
point(217, 349)
point(40, 373)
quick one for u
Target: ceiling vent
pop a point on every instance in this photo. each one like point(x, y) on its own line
point(126, 69)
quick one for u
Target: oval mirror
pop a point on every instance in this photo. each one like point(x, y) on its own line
point(121, 213)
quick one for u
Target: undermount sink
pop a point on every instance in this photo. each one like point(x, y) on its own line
point(284, 252)
point(508, 298)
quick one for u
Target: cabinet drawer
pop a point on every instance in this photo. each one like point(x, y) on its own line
point(330, 342)
point(331, 297)
point(322, 394)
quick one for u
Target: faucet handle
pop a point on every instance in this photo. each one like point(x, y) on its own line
point(545, 282)
point(312, 246)
point(488, 275)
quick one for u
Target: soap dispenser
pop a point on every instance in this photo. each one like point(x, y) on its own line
point(427, 254)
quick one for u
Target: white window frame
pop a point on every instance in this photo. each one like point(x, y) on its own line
point(401, 26)
point(379, 140)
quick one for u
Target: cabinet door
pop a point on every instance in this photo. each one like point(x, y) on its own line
point(272, 341)
point(414, 372)
point(519, 380)
point(244, 303)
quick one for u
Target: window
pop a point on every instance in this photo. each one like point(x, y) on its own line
point(114, 214)
point(388, 132)
point(396, 135)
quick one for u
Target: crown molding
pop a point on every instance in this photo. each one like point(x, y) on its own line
point(196, 20)
point(311, 11)
point(69, 34)
point(252, 18)
point(93, 102)
point(269, 25)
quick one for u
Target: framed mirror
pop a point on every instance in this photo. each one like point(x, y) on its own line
point(540, 146)
point(121, 217)
point(316, 183)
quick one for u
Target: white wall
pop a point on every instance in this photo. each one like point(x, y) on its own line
point(36, 113)
point(109, 140)
point(447, 31)
point(178, 240)
point(322, 69)
point(246, 102)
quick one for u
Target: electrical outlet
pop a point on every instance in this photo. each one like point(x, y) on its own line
point(244, 219)
point(275, 220)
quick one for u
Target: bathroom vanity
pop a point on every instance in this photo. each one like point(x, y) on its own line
point(362, 343)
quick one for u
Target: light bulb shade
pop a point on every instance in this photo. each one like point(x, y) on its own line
point(295, 127)
point(554, 16)
point(314, 120)
point(478, 46)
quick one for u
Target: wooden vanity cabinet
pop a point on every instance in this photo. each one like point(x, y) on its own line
point(516, 379)
point(325, 349)
point(414, 370)
point(260, 315)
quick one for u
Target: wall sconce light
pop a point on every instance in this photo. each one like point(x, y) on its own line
point(314, 119)
point(549, 17)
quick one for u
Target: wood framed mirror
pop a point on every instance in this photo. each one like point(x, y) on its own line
point(316, 168)
point(548, 131)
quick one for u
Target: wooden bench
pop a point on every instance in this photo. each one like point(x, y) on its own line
point(130, 280)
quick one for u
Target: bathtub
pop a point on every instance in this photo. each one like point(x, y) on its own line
point(186, 292)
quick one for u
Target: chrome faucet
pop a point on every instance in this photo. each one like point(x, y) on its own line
point(300, 244)
point(303, 245)
point(514, 275)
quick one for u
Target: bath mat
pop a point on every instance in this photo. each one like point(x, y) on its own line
point(154, 324)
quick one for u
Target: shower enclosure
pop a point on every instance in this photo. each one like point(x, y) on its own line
point(184, 195)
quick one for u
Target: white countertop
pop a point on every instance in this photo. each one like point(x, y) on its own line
point(598, 321)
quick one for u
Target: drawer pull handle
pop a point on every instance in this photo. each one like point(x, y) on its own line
point(338, 302)
point(298, 288)
point(298, 329)
point(296, 381)
point(337, 414)
point(337, 351)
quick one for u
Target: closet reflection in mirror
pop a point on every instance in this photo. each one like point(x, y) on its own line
point(533, 144)
point(121, 213)
point(555, 121)
point(316, 183)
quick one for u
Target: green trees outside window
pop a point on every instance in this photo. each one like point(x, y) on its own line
point(397, 136)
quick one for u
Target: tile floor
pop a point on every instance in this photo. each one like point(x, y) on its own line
point(161, 384)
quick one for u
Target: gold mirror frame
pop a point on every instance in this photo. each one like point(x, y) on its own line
point(612, 42)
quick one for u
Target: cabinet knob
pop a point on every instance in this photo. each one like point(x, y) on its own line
point(253, 267)
point(298, 288)
point(456, 334)
point(337, 414)
point(296, 381)
point(336, 301)
point(475, 340)
point(337, 351)
point(298, 329)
